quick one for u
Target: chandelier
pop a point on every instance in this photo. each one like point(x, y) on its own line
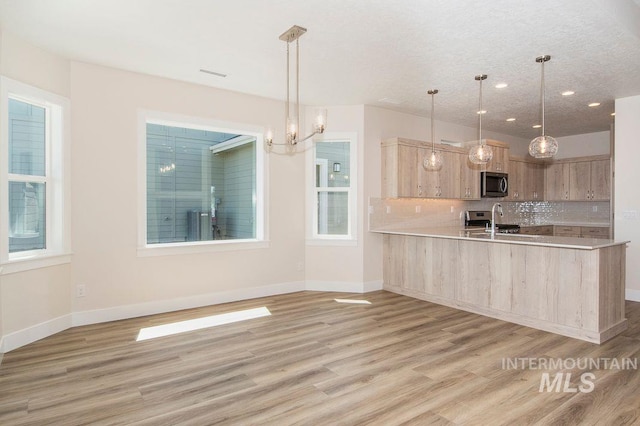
point(292, 110)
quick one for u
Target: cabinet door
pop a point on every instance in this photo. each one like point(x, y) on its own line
point(443, 183)
point(557, 182)
point(600, 180)
point(470, 178)
point(580, 180)
point(500, 160)
point(516, 180)
point(450, 175)
point(408, 171)
point(534, 181)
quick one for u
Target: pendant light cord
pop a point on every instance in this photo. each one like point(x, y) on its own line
point(542, 96)
point(286, 124)
point(480, 115)
point(433, 133)
point(298, 126)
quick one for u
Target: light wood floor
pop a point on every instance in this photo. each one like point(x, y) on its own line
point(314, 362)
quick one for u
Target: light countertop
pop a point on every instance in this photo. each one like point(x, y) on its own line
point(458, 233)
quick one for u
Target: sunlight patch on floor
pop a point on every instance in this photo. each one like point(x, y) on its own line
point(353, 301)
point(200, 323)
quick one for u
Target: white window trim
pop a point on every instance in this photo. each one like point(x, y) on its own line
point(262, 185)
point(58, 188)
point(313, 238)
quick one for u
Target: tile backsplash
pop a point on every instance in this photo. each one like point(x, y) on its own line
point(390, 213)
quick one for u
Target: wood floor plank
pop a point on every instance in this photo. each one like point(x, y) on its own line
point(314, 361)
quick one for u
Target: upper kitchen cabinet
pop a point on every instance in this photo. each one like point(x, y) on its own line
point(579, 179)
point(590, 180)
point(557, 182)
point(526, 180)
point(404, 176)
point(534, 181)
point(400, 169)
point(500, 161)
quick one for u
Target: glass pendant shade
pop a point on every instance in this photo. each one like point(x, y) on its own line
point(433, 161)
point(543, 147)
point(480, 154)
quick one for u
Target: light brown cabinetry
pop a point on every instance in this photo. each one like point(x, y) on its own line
point(403, 174)
point(537, 230)
point(589, 180)
point(582, 231)
point(526, 180)
point(557, 182)
point(500, 161)
point(534, 181)
point(567, 231)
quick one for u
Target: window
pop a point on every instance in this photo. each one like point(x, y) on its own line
point(333, 194)
point(203, 184)
point(32, 173)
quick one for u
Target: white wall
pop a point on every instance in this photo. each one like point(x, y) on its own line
point(105, 198)
point(40, 297)
point(627, 176)
point(584, 145)
point(338, 266)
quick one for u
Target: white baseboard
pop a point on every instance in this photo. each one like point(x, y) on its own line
point(344, 286)
point(633, 295)
point(36, 332)
point(160, 306)
point(39, 331)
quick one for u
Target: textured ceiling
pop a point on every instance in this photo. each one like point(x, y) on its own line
point(362, 51)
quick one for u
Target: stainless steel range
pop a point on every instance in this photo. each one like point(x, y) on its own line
point(482, 219)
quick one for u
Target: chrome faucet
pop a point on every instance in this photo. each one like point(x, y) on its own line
point(496, 206)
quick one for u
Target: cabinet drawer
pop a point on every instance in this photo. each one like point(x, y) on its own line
point(595, 231)
point(537, 230)
point(567, 231)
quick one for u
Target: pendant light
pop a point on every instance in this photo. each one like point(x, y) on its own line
point(543, 146)
point(434, 160)
point(480, 153)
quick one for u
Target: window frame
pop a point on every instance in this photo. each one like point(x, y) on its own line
point(57, 248)
point(313, 237)
point(187, 247)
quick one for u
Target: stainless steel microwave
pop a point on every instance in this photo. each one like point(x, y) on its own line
point(494, 184)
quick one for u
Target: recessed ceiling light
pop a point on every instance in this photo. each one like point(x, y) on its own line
point(511, 119)
point(537, 126)
point(568, 93)
point(501, 85)
point(594, 104)
point(482, 111)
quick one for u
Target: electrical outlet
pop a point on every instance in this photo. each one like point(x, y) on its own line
point(595, 209)
point(81, 290)
point(418, 209)
point(453, 209)
point(388, 209)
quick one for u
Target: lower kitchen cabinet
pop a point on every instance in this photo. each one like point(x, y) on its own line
point(537, 230)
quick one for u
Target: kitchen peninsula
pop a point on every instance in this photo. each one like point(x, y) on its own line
point(569, 286)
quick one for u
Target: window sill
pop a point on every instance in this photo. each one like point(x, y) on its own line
point(173, 249)
point(36, 262)
point(334, 242)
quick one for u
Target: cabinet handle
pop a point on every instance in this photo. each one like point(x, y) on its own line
point(419, 189)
